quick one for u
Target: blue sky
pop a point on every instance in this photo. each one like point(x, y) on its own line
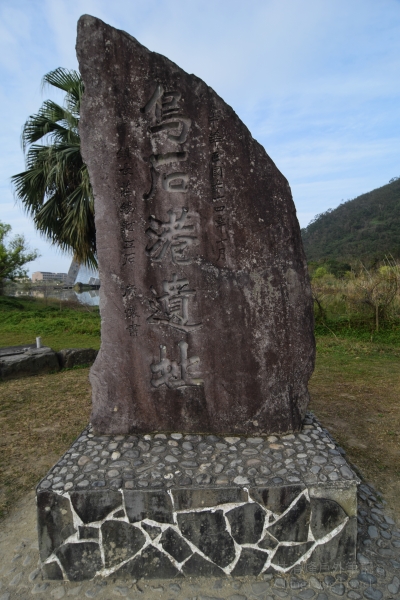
point(317, 82)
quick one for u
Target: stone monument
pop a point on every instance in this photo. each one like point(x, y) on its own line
point(207, 348)
point(205, 300)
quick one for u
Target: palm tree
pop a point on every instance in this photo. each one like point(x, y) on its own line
point(55, 188)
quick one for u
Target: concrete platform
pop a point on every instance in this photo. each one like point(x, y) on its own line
point(26, 361)
point(165, 506)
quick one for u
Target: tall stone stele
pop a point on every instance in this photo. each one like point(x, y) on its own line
point(206, 309)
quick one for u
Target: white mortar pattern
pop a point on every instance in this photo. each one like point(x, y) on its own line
point(225, 508)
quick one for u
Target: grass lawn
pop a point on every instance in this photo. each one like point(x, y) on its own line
point(61, 325)
point(355, 392)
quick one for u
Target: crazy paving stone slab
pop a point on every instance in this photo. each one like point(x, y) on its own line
point(174, 505)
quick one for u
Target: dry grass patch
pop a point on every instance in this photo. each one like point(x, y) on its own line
point(355, 391)
point(39, 418)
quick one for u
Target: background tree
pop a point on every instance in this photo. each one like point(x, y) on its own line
point(14, 255)
point(55, 188)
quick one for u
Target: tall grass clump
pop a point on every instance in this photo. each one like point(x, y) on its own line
point(359, 302)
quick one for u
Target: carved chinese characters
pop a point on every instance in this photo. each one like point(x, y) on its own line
point(217, 184)
point(126, 230)
point(172, 373)
point(164, 108)
point(170, 241)
point(205, 301)
point(172, 307)
point(172, 237)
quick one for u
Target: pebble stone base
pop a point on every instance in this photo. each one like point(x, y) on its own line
point(162, 506)
point(375, 574)
point(166, 461)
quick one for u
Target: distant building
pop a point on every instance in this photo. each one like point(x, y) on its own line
point(79, 273)
point(46, 276)
point(73, 272)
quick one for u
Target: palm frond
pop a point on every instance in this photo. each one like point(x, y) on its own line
point(55, 189)
point(70, 82)
point(51, 120)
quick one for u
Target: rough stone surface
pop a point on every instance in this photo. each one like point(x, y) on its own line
point(278, 499)
point(24, 361)
point(72, 357)
point(268, 542)
point(155, 505)
point(55, 522)
point(247, 523)
point(340, 548)
point(52, 571)
point(151, 564)
point(293, 526)
point(33, 361)
point(207, 531)
point(326, 516)
point(15, 350)
point(197, 566)
point(80, 561)
point(173, 543)
point(251, 562)
point(95, 506)
point(186, 498)
point(205, 292)
point(120, 542)
point(88, 533)
point(151, 530)
point(289, 555)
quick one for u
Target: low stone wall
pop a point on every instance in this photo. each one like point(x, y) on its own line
point(25, 361)
point(72, 357)
point(160, 506)
point(34, 361)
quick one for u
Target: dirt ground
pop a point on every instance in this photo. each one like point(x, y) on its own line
point(39, 419)
point(356, 395)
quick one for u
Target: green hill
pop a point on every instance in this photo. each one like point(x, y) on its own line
point(366, 228)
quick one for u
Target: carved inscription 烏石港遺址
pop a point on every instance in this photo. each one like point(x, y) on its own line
point(170, 241)
point(172, 237)
point(126, 226)
point(172, 307)
point(217, 184)
point(174, 373)
point(163, 108)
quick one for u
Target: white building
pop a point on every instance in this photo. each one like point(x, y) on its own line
point(46, 276)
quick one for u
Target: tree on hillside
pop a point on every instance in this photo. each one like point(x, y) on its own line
point(14, 255)
point(55, 188)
